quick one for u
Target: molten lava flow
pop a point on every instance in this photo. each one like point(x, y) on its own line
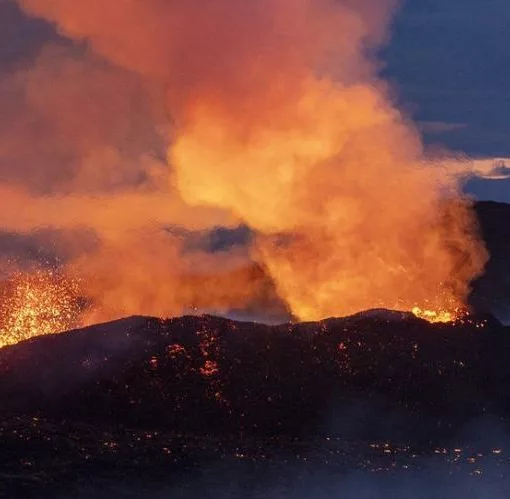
point(437, 316)
point(37, 303)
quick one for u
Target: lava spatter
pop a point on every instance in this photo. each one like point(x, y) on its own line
point(37, 303)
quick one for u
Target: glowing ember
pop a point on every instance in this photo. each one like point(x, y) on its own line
point(436, 316)
point(39, 303)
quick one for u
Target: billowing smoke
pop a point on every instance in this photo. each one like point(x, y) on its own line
point(267, 113)
point(83, 174)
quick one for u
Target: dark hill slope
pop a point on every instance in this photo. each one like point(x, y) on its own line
point(492, 291)
point(216, 376)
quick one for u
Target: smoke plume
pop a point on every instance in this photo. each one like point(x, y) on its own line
point(268, 113)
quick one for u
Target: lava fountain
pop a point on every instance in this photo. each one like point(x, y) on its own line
point(37, 303)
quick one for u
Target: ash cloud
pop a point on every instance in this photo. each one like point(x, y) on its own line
point(267, 115)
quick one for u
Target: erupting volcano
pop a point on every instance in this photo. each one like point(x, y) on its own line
point(272, 116)
point(244, 238)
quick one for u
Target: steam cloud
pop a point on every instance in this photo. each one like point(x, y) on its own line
point(266, 113)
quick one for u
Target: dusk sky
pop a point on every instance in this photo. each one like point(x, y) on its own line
point(451, 63)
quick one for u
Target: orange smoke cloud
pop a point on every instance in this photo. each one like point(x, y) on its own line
point(110, 215)
point(279, 121)
point(80, 159)
point(149, 273)
point(137, 262)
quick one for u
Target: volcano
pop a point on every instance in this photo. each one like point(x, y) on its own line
point(166, 396)
point(212, 375)
point(143, 402)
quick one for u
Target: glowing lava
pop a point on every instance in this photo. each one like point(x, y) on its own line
point(37, 303)
point(437, 316)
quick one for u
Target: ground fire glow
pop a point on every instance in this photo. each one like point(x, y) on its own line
point(37, 303)
point(437, 316)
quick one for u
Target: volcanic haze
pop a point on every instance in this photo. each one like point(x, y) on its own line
point(273, 116)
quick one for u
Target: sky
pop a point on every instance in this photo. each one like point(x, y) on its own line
point(451, 59)
point(447, 60)
point(451, 64)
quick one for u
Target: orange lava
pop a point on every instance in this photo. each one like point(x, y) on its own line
point(437, 316)
point(37, 303)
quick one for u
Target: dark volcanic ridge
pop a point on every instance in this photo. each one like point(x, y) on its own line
point(210, 407)
point(491, 291)
point(215, 376)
